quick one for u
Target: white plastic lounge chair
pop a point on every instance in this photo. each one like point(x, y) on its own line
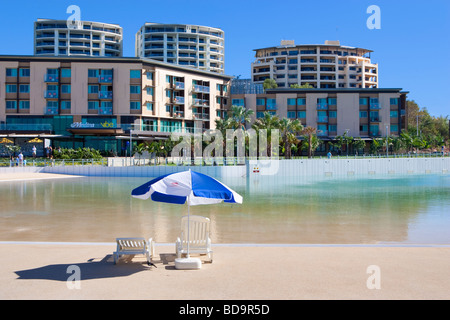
point(133, 246)
point(199, 240)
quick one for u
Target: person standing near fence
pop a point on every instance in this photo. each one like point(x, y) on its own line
point(34, 151)
point(20, 157)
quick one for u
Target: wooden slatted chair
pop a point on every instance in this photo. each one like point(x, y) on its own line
point(199, 237)
point(134, 246)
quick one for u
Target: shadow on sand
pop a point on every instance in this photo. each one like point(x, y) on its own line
point(87, 270)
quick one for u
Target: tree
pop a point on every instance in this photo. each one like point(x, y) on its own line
point(289, 130)
point(311, 142)
point(407, 141)
point(376, 145)
point(268, 122)
point(240, 116)
point(345, 139)
point(359, 144)
point(269, 84)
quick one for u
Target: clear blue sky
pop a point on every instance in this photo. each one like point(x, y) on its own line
point(412, 47)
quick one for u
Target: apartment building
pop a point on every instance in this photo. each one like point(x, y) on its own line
point(100, 102)
point(365, 113)
point(86, 38)
point(324, 66)
point(193, 46)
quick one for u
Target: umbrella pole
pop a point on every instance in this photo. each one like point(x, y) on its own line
point(188, 228)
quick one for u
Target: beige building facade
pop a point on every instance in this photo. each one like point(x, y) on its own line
point(324, 66)
point(99, 100)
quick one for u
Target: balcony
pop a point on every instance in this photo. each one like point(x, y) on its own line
point(178, 114)
point(105, 110)
point(322, 106)
point(322, 119)
point(51, 94)
point(51, 110)
point(178, 100)
point(201, 103)
point(375, 119)
point(105, 78)
point(322, 133)
point(51, 78)
point(179, 85)
point(200, 116)
point(198, 88)
point(375, 106)
point(105, 94)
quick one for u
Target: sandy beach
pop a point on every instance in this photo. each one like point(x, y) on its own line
point(34, 270)
point(40, 271)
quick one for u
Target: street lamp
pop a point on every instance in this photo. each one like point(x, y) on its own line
point(346, 138)
point(387, 143)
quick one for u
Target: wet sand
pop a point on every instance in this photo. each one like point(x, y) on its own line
point(39, 271)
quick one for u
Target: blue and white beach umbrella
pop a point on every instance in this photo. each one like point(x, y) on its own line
point(188, 187)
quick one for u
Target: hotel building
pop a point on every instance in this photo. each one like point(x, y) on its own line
point(95, 102)
point(325, 66)
point(186, 45)
point(54, 38)
point(365, 113)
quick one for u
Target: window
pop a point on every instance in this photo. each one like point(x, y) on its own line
point(149, 75)
point(332, 128)
point(332, 114)
point(394, 114)
point(363, 101)
point(135, 105)
point(65, 88)
point(167, 108)
point(53, 72)
point(92, 73)
point(24, 88)
point(394, 128)
point(374, 129)
point(52, 104)
point(65, 105)
point(301, 114)
point(150, 91)
point(301, 101)
point(271, 104)
point(394, 101)
point(66, 73)
point(363, 114)
point(291, 102)
point(238, 102)
point(291, 114)
point(24, 104)
point(10, 72)
point(11, 104)
point(24, 72)
point(260, 101)
point(93, 88)
point(92, 105)
point(135, 74)
point(11, 88)
point(332, 101)
point(149, 106)
point(135, 89)
point(259, 114)
point(363, 128)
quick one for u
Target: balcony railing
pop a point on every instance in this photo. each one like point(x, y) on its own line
point(105, 94)
point(105, 78)
point(375, 106)
point(179, 100)
point(322, 119)
point(375, 119)
point(105, 110)
point(201, 103)
point(179, 85)
point(51, 78)
point(198, 88)
point(51, 110)
point(200, 116)
point(178, 114)
point(322, 106)
point(322, 133)
point(51, 94)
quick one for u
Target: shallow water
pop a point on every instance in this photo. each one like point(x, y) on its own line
point(408, 209)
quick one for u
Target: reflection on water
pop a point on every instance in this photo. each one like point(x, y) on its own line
point(409, 209)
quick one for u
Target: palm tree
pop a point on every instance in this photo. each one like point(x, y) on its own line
point(268, 122)
point(289, 130)
point(240, 116)
point(309, 133)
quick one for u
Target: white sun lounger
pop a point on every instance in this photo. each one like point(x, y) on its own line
point(199, 237)
point(134, 246)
